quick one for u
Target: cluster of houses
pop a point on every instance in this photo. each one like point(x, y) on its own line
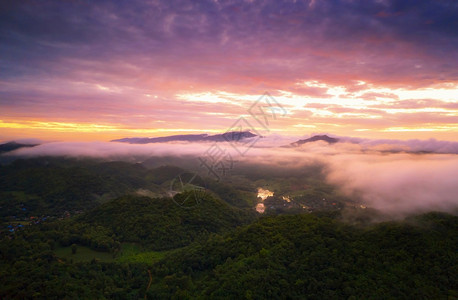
point(15, 223)
point(269, 201)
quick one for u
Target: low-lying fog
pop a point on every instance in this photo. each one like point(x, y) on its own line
point(395, 177)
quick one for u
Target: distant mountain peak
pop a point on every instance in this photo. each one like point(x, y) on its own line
point(315, 138)
point(227, 136)
point(11, 146)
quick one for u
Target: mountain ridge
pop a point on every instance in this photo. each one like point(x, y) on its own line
point(11, 146)
point(315, 138)
point(227, 136)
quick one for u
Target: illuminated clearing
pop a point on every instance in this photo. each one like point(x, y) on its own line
point(263, 194)
point(260, 208)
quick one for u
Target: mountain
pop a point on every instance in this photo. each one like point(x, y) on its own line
point(227, 136)
point(315, 138)
point(10, 146)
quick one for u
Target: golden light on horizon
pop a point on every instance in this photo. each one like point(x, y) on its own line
point(370, 110)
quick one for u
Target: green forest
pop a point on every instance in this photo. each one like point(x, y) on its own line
point(86, 229)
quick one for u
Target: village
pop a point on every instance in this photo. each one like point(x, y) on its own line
point(269, 201)
point(14, 223)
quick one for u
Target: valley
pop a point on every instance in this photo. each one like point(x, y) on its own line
point(109, 229)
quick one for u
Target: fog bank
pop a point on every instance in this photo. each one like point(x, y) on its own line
point(394, 182)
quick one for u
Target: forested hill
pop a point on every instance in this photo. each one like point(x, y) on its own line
point(51, 186)
point(160, 223)
point(55, 185)
point(277, 257)
point(304, 256)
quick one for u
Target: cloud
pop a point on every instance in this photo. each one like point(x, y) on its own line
point(398, 184)
point(417, 103)
point(275, 42)
point(111, 149)
point(374, 96)
point(365, 170)
point(430, 145)
point(127, 64)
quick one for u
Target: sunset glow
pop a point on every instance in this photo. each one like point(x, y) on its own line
point(378, 70)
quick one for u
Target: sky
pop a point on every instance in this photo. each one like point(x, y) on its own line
point(74, 70)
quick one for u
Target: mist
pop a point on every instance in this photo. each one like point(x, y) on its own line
point(398, 184)
point(393, 182)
